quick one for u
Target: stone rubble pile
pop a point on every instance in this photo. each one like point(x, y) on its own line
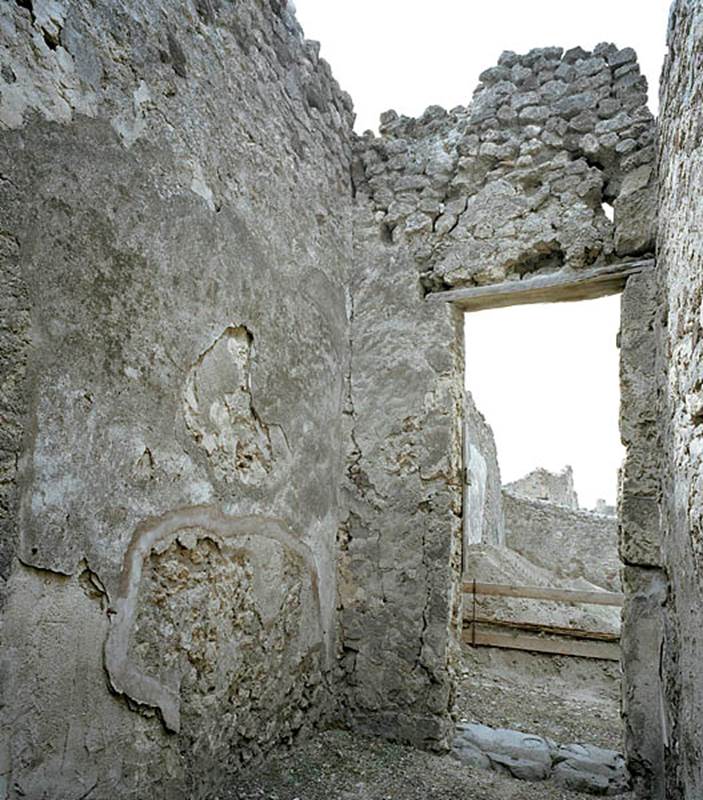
point(577, 767)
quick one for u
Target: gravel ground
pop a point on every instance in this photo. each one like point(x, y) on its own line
point(565, 699)
point(341, 766)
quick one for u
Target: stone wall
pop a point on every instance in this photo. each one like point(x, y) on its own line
point(541, 484)
point(515, 183)
point(400, 542)
point(644, 582)
point(177, 235)
point(680, 273)
point(231, 489)
point(512, 185)
point(483, 506)
point(567, 542)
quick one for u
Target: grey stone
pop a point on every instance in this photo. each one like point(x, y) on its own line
point(574, 104)
point(523, 755)
point(589, 769)
point(624, 56)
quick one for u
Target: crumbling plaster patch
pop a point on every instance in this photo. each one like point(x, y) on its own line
point(220, 414)
point(125, 676)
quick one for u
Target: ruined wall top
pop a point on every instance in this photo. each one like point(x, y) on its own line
point(541, 484)
point(514, 183)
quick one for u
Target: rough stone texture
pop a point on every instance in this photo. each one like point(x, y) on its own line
point(176, 195)
point(680, 274)
point(593, 770)
point(639, 477)
point(569, 543)
point(541, 484)
point(15, 323)
point(483, 505)
point(400, 543)
point(645, 585)
point(641, 642)
point(514, 184)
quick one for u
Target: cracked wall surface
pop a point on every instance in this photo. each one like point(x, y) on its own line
point(680, 283)
point(220, 413)
point(176, 223)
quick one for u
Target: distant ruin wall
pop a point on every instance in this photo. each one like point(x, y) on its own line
point(176, 235)
point(541, 484)
point(483, 504)
point(571, 544)
point(680, 274)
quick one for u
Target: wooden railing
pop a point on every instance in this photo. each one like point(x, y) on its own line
point(480, 630)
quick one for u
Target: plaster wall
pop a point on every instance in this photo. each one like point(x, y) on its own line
point(483, 508)
point(680, 281)
point(176, 231)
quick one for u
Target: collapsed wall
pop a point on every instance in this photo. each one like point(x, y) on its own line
point(680, 283)
point(514, 184)
point(541, 484)
point(176, 236)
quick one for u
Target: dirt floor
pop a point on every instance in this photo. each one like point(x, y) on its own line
point(565, 699)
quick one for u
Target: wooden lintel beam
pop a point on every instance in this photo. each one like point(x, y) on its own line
point(560, 287)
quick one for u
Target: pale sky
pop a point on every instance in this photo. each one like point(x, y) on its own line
point(546, 377)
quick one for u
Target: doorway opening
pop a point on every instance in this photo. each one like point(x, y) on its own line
point(541, 565)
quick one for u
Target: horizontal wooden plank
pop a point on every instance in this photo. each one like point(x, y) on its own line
point(563, 286)
point(538, 644)
point(537, 627)
point(571, 596)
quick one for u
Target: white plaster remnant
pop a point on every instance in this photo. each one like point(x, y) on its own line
point(200, 187)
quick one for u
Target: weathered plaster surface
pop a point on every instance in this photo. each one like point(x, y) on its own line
point(400, 540)
point(176, 222)
point(680, 273)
